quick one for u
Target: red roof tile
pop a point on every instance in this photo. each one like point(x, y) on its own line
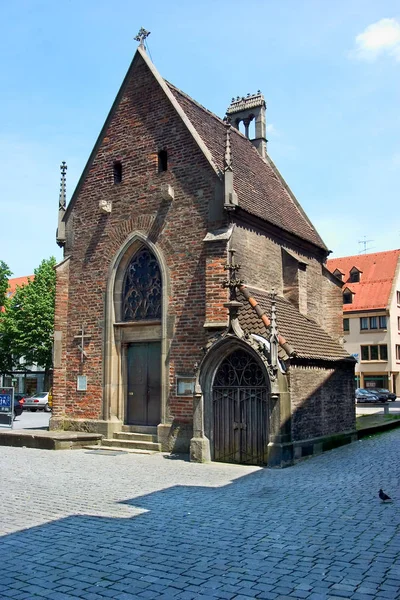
point(377, 273)
point(15, 282)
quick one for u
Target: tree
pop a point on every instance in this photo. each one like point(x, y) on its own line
point(5, 353)
point(5, 273)
point(28, 322)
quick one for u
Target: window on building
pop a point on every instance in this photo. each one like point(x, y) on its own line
point(382, 322)
point(354, 276)
point(398, 298)
point(374, 352)
point(346, 324)
point(398, 323)
point(162, 161)
point(141, 297)
point(117, 170)
point(364, 352)
point(347, 298)
point(364, 323)
point(373, 323)
point(338, 274)
point(397, 352)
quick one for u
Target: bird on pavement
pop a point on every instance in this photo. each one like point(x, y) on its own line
point(384, 497)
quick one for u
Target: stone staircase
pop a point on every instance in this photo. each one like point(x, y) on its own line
point(133, 438)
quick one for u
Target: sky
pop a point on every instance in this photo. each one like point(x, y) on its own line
point(329, 72)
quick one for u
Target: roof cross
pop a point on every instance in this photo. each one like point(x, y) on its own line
point(141, 36)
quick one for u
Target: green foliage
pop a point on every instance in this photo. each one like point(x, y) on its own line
point(5, 273)
point(28, 322)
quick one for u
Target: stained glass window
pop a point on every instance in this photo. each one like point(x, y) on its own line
point(142, 288)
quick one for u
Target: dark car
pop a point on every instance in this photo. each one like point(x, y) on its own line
point(389, 396)
point(380, 397)
point(363, 395)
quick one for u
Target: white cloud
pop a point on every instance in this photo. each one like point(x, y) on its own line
point(377, 39)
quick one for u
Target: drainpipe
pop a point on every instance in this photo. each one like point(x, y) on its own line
point(254, 304)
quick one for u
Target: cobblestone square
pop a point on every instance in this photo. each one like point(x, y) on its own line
point(92, 525)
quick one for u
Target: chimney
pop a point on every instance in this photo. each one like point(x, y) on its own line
point(246, 109)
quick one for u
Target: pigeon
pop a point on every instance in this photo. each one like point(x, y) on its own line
point(384, 497)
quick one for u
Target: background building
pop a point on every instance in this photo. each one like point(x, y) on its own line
point(371, 315)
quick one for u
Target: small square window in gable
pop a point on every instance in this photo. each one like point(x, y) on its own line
point(347, 297)
point(355, 275)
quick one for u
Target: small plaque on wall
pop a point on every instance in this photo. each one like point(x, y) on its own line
point(184, 386)
point(81, 383)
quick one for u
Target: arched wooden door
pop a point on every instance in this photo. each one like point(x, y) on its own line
point(240, 410)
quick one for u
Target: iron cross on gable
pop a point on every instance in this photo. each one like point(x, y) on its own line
point(82, 337)
point(141, 36)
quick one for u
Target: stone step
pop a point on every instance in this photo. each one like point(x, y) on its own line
point(113, 449)
point(139, 429)
point(134, 445)
point(134, 437)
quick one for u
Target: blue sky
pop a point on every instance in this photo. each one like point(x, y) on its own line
point(329, 72)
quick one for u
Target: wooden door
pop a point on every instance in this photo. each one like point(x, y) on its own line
point(144, 384)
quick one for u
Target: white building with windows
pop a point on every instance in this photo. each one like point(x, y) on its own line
point(371, 315)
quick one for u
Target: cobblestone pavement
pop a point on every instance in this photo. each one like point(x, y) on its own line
point(85, 525)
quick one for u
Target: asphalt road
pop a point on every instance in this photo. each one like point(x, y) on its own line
point(32, 420)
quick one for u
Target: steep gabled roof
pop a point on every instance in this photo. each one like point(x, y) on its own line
point(377, 274)
point(259, 186)
point(304, 335)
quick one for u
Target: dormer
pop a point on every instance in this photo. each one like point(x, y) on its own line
point(355, 275)
point(348, 296)
point(246, 109)
point(339, 274)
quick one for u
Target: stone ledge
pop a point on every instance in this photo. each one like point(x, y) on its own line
point(48, 440)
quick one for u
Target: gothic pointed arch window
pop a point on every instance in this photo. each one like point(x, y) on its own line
point(141, 292)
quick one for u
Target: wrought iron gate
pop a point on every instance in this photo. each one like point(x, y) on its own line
point(240, 410)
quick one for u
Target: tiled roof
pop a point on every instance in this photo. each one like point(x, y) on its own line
point(261, 190)
point(306, 337)
point(377, 273)
point(15, 282)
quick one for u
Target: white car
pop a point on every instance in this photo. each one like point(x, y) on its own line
point(39, 401)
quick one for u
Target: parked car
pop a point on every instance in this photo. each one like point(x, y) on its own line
point(18, 405)
point(39, 401)
point(390, 396)
point(363, 395)
point(379, 396)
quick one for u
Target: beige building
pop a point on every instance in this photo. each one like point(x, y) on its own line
point(371, 316)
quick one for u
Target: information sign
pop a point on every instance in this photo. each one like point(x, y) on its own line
point(7, 406)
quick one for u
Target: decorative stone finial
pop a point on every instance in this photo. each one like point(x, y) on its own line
point(274, 340)
point(60, 233)
point(62, 201)
point(141, 36)
point(228, 151)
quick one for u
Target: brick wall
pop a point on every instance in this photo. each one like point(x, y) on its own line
point(322, 400)
point(142, 124)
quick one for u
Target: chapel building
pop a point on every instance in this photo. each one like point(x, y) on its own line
point(194, 310)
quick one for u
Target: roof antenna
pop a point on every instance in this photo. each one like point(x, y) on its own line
point(365, 243)
point(141, 36)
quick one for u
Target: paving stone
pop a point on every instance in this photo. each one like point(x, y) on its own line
point(171, 529)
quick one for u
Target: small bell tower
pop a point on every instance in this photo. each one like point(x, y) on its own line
point(245, 110)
